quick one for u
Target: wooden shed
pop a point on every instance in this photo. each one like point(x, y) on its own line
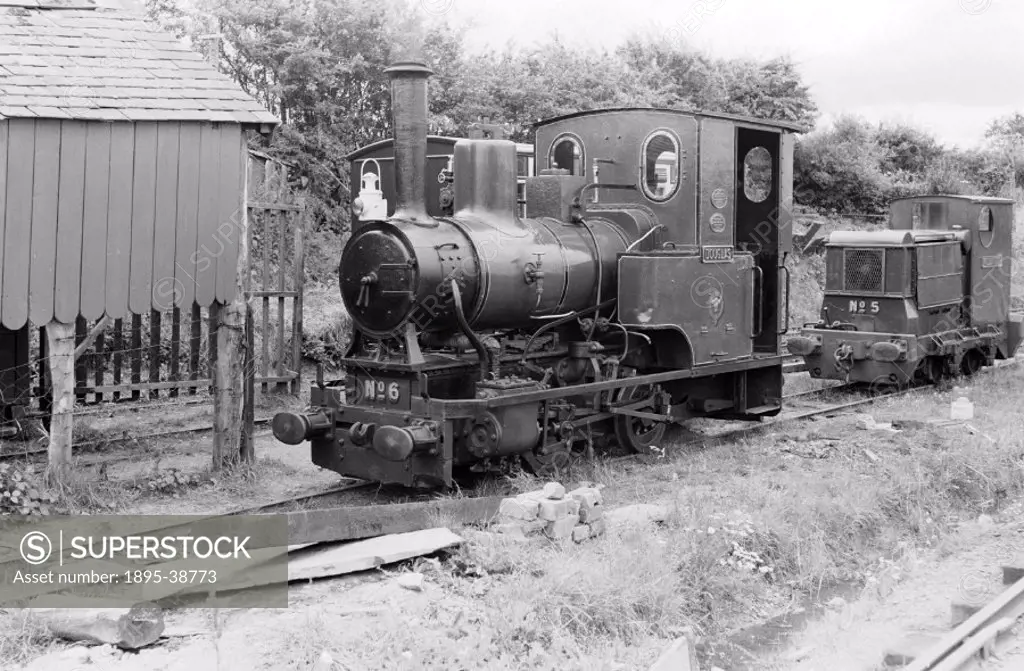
point(122, 166)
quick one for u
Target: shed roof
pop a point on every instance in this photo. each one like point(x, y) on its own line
point(71, 59)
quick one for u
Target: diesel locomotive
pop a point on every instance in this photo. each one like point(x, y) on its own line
point(926, 300)
point(645, 285)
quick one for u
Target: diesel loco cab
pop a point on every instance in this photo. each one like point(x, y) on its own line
point(642, 287)
point(920, 302)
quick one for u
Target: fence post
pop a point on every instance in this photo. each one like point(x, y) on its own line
point(228, 370)
point(60, 346)
point(247, 451)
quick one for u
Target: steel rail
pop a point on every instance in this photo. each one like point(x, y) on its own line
point(125, 438)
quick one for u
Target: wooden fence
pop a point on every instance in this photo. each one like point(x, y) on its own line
point(276, 275)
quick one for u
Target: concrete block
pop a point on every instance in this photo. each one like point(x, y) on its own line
point(324, 663)
point(589, 515)
point(591, 494)
point(909, 649)
point(510, 529)
point(580, 532)
point(1011, 574)
point(597, 527)
point(574, 506)
point(533, 527)
point(961, 612)
point(681, 655)
point(554, 490)
point(519, 509)
point(552, 510)
point(562, 528)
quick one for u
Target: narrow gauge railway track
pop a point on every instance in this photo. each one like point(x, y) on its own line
point(977, 637)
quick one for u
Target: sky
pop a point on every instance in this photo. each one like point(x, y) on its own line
point(947, 66)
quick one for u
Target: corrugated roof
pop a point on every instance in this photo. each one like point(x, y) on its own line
point(69, 59)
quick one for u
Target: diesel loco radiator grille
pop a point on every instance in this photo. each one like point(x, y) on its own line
point(863, 270)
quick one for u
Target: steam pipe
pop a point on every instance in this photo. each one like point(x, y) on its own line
point(409, 124)
point(481, 351)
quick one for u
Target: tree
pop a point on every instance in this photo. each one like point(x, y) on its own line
point(905, 148)
point(1006, 136)
point(838, 169)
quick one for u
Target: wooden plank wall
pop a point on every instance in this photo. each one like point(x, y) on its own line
point(139, 222)
point(115, 218)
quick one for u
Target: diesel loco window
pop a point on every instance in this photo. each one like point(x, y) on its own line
point(985, 219)
point(757, 175)
point(661, 165)
point(567, 154)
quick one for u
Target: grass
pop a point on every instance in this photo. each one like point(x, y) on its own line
point(753, 527)
point(23, 636)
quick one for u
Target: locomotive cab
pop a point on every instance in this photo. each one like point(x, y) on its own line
point(925, 299)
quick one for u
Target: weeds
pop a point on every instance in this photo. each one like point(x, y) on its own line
point(23, 636)
point(23, 492)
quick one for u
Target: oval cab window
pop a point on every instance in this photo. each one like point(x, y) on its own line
point(986, 224)
point(660, 155)
point(567, 154)
point(757, 175)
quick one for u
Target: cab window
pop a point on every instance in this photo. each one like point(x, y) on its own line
point(567, 154)
point(757, 175)
point(660, 155)
point(985, 219)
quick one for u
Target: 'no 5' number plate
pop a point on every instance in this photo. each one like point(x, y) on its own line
point(863, 307)
point(380, 391)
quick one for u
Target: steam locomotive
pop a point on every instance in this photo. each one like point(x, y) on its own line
point(643, 287)
point(921, 302)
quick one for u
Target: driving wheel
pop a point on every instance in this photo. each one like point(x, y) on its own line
point(553, 464)
point(639, 434)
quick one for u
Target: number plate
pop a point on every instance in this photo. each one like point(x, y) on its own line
point(722, 254)
point(863, 306)
point(381, 392)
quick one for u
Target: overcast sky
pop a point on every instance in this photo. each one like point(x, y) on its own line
point(949, 66)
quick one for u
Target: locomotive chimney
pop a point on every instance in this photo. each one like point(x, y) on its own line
point(409, 120)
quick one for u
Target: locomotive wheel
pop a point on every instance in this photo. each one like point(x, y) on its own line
point(555, 464)
point(972, 362)
point(636, 433)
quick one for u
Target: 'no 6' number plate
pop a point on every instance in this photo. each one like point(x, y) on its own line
point(381, 391)
point(718, 254)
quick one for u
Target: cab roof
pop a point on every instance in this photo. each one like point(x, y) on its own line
point(773, 123)
point(900, 238)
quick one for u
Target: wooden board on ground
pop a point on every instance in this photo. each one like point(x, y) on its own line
point(369, 554)
point(358, 522)
point(336, 560)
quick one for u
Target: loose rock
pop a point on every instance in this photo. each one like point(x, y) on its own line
point(412, 581)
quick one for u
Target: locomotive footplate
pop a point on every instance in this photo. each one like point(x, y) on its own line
point(885, 358)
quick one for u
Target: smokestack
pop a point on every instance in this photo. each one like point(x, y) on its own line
point(409, 120)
